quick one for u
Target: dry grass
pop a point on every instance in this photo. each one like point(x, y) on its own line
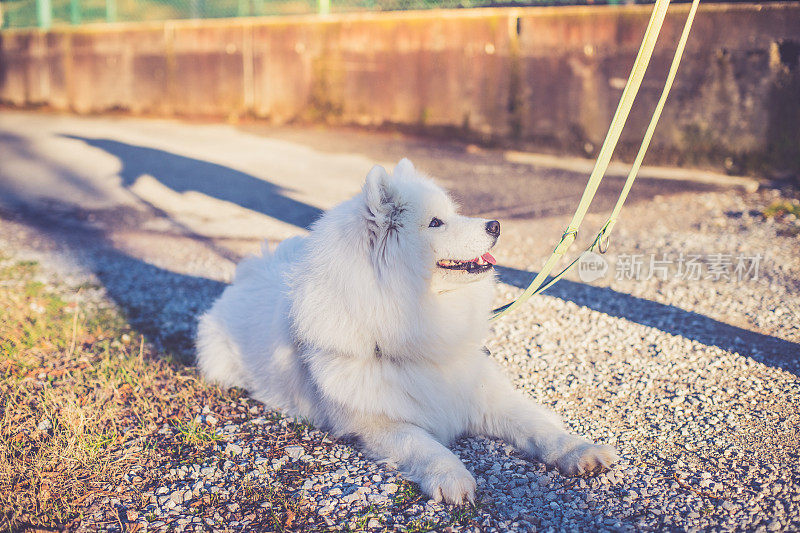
point(78, 388)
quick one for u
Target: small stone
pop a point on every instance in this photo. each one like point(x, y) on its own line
point(177, 497)
point(389, 488)
point(518, 492)
point(294, 452)
point(377, 499)
point(233, 449)
point(350, 498)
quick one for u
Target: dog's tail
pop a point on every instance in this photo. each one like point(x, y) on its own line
point(260, 265)
point(217, 357)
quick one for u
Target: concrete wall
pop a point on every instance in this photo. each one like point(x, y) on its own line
point(545, 78)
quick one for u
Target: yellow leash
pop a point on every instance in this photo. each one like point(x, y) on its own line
point(604, 158)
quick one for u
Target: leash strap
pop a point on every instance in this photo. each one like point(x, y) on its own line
point(612, 137)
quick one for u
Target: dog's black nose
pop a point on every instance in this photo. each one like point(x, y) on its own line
point(493, 228)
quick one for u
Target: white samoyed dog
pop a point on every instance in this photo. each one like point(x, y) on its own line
point(372, 326)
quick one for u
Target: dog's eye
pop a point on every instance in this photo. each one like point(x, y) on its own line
point(435, 223)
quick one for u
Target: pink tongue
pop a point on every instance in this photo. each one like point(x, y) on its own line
point(489, 259)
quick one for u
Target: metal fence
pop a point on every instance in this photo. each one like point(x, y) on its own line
point(47, 13)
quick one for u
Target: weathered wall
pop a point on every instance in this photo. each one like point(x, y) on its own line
point(538, 77)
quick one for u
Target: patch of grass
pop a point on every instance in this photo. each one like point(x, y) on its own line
point(78, 390)
point(195, 434)
point(300, 426)
point(364, 517)
point(460, 517)
point(465, 514)
point(420, 525)
point(284, 511)
point(781, 208)
point(407, 494)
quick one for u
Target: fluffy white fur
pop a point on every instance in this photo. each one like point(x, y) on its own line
point(356, 328)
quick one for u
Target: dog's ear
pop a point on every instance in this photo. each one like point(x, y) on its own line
point(378, 190)
point(404, 169)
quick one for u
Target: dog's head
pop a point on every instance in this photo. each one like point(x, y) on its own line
point(413, 224)
point(374, 270)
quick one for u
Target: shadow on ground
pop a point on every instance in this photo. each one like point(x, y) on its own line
point(674, 320)
point(161, 304)
point(182, 174)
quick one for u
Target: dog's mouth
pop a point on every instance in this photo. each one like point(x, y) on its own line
point(473, 266)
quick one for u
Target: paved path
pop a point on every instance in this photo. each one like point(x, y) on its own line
point(253, 181)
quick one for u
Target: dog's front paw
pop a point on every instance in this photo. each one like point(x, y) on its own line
point(453, 484)
point(586, 457)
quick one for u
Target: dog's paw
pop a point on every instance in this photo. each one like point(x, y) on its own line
point(454, 485)
point(586, 457)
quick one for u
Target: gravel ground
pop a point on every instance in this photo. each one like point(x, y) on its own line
point(695, 381)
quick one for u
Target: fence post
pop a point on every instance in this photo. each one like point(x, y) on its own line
point(324, 6)
point(75, 12)
point(111, 10)
point(44, 14)
point(197, 9)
